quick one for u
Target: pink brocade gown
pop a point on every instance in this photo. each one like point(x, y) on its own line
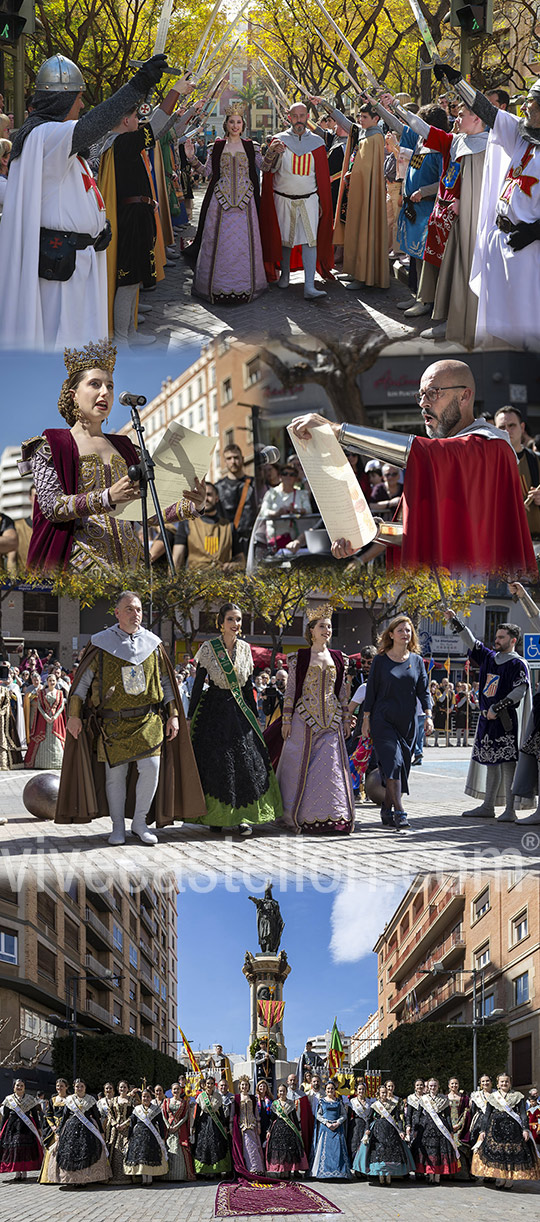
point(313, 772)
point(230, 267)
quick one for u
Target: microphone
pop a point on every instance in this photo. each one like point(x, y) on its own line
point(129, 400)
point(266, 454)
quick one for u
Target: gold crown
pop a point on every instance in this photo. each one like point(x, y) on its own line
point(235, 108)
point(322, 611)
point(100, 354)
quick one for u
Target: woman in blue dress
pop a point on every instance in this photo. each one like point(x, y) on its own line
point(330, 1158)
point(382, 1151)
point(397, 679)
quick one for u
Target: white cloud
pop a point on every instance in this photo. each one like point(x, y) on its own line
point(359, 915)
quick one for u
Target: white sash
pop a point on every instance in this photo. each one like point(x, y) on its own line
point(380, 1108)
point(426, 1103)
point(145, 1120)
point(27, 1120)
point(76, 1111)
point(515, 1116)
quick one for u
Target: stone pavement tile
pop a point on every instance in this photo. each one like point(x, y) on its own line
point(401, 1202)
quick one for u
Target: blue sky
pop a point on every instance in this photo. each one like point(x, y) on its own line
point(31, 384)
point(328, 939)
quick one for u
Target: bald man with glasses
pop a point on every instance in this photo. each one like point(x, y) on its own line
point(462, 506)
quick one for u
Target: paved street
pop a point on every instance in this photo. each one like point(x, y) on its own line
point(439, 840)
point(178, 318)
point(404, 1202)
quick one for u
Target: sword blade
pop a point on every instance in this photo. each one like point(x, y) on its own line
point(339, 62)
point(441, 591)
point(425, 31)
point(225, 36)
point(163, 27)
point(297, 85)
point(204, 36)
point(277, 87)
point(364, 68)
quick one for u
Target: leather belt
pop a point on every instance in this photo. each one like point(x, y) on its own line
point(504, 224)
point(286, 196)
point(79, 241)
point(138, 199)
point(126, 714)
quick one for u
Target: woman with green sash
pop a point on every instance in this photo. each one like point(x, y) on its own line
point(285, 1154)
point(238, 780)
point(210, 1135)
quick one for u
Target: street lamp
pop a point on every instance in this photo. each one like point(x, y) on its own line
point(479, 1018)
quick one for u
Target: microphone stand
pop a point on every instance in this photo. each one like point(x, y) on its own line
point(145, 475)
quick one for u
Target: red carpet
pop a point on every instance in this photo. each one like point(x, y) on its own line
point(233, 1200)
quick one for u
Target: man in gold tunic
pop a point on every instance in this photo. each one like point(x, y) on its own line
point(123, 681)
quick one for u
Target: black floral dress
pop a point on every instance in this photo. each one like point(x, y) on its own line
point(20, 1150)
point(504, 1152)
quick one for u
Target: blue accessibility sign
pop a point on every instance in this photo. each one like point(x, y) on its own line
point(531, 648)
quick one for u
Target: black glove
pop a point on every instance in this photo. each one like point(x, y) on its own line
point(445, 70)
point(151, 72)
point(523, 235)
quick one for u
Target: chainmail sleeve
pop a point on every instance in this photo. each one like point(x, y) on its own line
point(57, 505)
point(103, 117)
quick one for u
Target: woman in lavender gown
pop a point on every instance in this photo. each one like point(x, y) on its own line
point(227, 252)
point(246, 1134)
point(313, 772)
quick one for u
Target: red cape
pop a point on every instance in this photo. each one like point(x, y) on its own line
point(271, 234)
point(463, 507)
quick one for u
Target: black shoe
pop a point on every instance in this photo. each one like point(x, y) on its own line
point(417, 762)
point(387, 819)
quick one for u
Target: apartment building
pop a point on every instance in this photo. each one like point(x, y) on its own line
point(365, 1039)
point(442, 930)
point(115, 948)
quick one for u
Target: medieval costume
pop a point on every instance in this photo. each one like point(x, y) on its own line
point(411, 1128)
point(121, 685)
point(313, 771)
point(460, 1115)
point(358, 1114)
point(47, 730)
point(146, 1152)
point(227, 247)
point(54, 228)
point(503, 685)
point(211, 1146)
point(81, 1156)
point(21, 1148)
point(176, 1117)
point(478, 1104)
point(246, 1140)
point(437, 1151)
point(263, 1112)
point(49, 1132)
point(285, 1154)
point(117, 1135)
point(501, 1151)
point(360, 218)
point(329, 1155)
point(296, 210)
point(174, 181)
point(10, 745)
point(423, 174)
point(239, 783)
point(382, 1151)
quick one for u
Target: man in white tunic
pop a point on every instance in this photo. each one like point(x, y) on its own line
point(506, 266)
point(296, 166)
point(54, 232)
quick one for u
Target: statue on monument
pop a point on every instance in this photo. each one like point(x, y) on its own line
point(270, 923)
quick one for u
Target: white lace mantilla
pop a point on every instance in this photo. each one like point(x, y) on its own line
point(243, 664)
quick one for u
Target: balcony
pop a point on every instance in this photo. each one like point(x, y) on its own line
point(102, 1015)
point(103, 900)
point(446, 953)
point(98, 929)
point(446, 995)
point(99, 969)
point(421, 942)
point(147, 977)
point(146, 1013)
point(148, 921)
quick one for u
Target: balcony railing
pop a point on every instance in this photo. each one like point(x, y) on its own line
point(427, 926)
point(93, 922)
point(98, 969)
point(455, 941)
point(99, 1012)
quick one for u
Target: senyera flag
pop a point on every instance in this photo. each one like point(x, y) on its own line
point(189, 1054)
point(335, 1054)
point(270, 1012)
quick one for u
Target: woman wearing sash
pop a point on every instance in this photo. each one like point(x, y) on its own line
point(411, 1114)
point(117, 1130)
point(285, 1154)
point(330, 1158)
point(227, 252)
point(51, 1123)
point(176, 1116)
point(239, 783)
point(478, 1103)
point(460, 1114)
point(246, 1134)
point(437, 1150)
point(313, 772)
point(81, 1155)
point(210, 1133)
point(358, 1113)
point(505, 1150)
point(146, 1152)
point(21, 1148)
point(382, 1151)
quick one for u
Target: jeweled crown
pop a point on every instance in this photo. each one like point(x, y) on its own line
point(235, 108)
point(98, 354)
point(322, 611)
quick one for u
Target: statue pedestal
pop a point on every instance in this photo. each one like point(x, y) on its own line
point(266, 974)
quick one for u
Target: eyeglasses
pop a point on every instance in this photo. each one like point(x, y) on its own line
point(433, 393)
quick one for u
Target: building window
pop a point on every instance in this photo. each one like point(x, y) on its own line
point(213, 401)
point(190, 420)
point(381, 984)
point(117, 1014)
point(35, 1026)
point(201, 413)
point(199, 387)
point(520, 927)
point(156, 983)
point(253, 372)
point(72, 890)
point(118, 937)
point(132, 1024)
point(481, 905)
point(482, 956)
point(40, 612)
point(494, 617)
point(133, 959)
point(163, 992)
point(489, 1005)
point(46, 962)
point(46, 910)
point(515, 877)
point(71, 934)
point(522, 1068)
point(226, 391)
point(8, 946)
point(521, 989)
point(229, 437)
point(212, 375)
